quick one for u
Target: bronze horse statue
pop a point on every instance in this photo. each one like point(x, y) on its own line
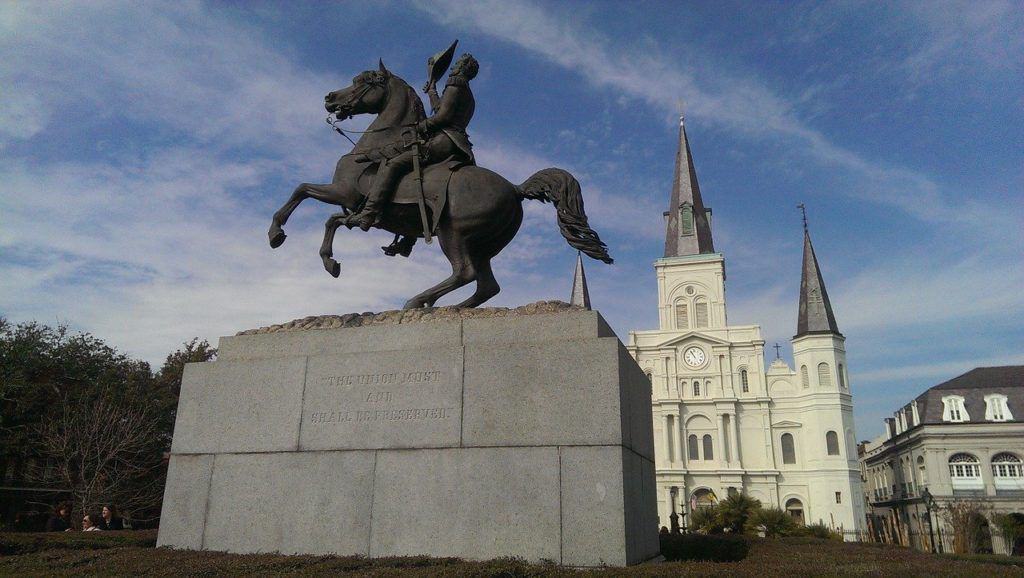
point(476, 212)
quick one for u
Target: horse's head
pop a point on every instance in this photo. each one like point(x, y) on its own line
point(367, 95)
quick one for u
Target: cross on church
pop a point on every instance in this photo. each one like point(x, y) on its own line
point(777, 354)
point(803, 211)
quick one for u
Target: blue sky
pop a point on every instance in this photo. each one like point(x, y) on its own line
point(144, 146)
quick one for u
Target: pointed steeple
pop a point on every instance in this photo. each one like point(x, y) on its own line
point(580, 293)
point(816, 314)
point(687, 230)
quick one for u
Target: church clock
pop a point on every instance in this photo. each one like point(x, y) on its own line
point(694, 356)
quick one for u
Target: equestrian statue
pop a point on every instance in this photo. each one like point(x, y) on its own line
point(416, 176)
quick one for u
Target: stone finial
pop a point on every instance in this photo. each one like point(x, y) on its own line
point(580, 294)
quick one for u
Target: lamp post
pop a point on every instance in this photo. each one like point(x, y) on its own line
point(674, 517)
point(929, 504)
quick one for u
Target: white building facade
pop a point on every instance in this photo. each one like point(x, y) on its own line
point(722, 422)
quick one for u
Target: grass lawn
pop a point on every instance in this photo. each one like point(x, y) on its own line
point(133, 553)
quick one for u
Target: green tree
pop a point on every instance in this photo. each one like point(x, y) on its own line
point(772, 522)
point(96, 422)
point(705, 520)
point(736, 510)
point(1011, 528)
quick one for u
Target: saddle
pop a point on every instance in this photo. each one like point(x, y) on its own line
point(436, 178)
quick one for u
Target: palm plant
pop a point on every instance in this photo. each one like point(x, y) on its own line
point(736, 510)
point(772, 522)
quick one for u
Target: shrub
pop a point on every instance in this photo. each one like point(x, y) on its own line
point(820, 530)
point(773, 522)
point(706, 520)
point(701, 547)
point(1011, 527)
point(12, 543)
point(736, 510)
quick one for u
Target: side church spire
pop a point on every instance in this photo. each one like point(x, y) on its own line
point(816, 314)
point(687, 229)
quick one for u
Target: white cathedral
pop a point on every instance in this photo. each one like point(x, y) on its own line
point(722, 423)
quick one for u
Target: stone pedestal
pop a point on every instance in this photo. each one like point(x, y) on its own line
point(523, 435)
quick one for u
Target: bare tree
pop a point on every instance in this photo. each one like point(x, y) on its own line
point(103, 449)
point(967, 518)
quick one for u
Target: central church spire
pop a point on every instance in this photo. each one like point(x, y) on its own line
point(816, 314)
point(687, 230)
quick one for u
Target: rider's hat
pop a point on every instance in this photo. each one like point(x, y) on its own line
point(438, 63)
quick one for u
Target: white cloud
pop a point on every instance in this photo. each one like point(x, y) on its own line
point(743, 104)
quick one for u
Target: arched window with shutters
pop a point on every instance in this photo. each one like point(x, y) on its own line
point(965, 472)
point(1008, 471)
point(842, 376)
point(824, 375)
point(922, 472)
point(709, 451)
point(682, 315)
point(805, 379)
point(696, 389)
point(744, 381)
point(700, 312)
point(832, 443)
point(788, 449)
point(692, 447)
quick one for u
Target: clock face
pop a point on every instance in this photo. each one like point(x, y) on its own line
point(694, 357)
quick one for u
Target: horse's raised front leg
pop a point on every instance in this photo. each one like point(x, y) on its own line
point(325, 193)
point(327, 248)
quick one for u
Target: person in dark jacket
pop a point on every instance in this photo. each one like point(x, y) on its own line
point(111, 521)
point(60, 520)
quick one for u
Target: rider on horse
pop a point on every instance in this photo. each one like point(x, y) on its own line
point(445, 139)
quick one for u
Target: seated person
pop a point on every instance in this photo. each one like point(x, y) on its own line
point(88, 525)
point(111, 521)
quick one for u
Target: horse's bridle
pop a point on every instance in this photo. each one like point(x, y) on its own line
point(334, 120)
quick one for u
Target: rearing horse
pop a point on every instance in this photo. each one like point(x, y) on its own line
point(483, 211)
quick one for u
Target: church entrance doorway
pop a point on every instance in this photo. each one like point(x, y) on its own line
point(795, 508)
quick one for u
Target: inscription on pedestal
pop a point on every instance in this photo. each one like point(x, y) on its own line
point(383, 400)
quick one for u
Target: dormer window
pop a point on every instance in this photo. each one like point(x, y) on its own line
point(953, 409)
point(996, 408)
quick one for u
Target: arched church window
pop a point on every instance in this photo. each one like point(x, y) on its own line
point(842, 376)
point(805, 380)
point(788, 449)
point(922, 473)
point(824, 375)
point(682, 316)
point(696, 389)
point(691, 447)
point(709, 451)
point(832, 443)
point(700, 312)
point(744, 381)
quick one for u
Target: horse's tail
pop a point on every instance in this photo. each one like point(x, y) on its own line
point(563, 190)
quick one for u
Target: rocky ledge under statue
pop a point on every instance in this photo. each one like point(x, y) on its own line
point(473, 211)
point(411, 316)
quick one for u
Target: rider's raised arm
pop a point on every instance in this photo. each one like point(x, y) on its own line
point(435, 100)
point(446, 108)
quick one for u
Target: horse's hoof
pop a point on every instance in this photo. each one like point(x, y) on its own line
point(276, 238)
point(333, 267)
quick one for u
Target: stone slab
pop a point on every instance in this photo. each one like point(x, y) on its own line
point(398, 337)
point(240, 406)
point(553, 393)
point(383, 399)
point(564, 326)
point(593, 525)
point(294, 502)
point(637, 418)
point(476, 503)
point(183, 515)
